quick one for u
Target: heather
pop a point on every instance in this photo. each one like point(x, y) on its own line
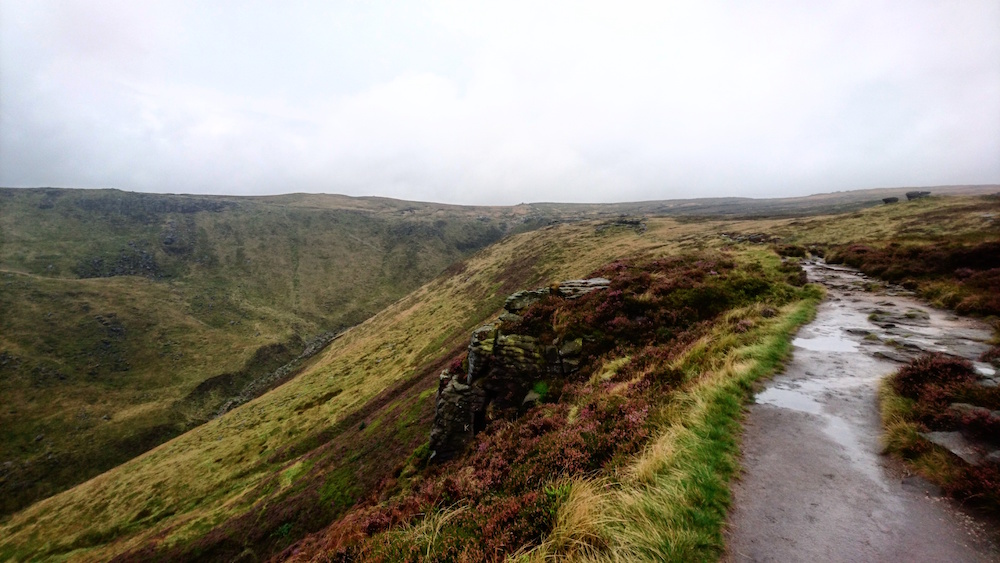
point(958, 276)
point(940, 393)
point(504, 495)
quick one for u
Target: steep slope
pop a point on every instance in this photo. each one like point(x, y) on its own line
point(222, 469)
point(130, 318)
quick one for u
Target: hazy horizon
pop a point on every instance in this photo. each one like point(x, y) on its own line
point(500, 103)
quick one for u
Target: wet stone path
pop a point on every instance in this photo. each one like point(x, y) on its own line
point(814, 485)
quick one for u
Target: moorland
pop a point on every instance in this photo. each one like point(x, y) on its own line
point(196, 377)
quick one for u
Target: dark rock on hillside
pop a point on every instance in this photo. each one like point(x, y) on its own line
point(910, 196)
point(458, 406)
point(888, 200)
point(145, 208)
point(134, 260)
point(635, 223)
point(568, 289)
point(501, 371)
point(178, 239)
point(255, 386)
point(755, 238)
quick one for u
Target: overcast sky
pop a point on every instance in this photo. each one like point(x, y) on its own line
point(501, 102)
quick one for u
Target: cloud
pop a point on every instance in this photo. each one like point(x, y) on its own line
point(500, 102)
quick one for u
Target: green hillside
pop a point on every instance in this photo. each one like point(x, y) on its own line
point(221, 470)
point(130, 318)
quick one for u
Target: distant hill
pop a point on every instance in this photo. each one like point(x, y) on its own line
point(744, 207)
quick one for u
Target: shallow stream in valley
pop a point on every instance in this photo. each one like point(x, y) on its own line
point(815, 486)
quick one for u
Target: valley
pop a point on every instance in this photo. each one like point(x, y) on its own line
point(131, 318)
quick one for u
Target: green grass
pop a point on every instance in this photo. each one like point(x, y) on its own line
point(96, 371)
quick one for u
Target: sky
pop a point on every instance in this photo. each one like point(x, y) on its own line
point(499, 102)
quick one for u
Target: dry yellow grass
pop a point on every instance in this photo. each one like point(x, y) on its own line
point(667, 503)
point(954, 218)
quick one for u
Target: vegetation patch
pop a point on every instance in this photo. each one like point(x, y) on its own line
point(938, 393)
point(644, 339)
point(960, 276)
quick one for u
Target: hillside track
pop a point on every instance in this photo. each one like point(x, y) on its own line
point(814, 485)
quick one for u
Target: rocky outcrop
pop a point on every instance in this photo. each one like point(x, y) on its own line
point(455, 416)
point(134, 260)
point(635, 223)
point(888, 200)
point(910, 196)
point(502, 370)
point(754, 238)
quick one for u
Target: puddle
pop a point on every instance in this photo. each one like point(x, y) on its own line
point(799, 396)
point(826, 344)
point(788, 399)
point(844, 434)
point(984, 369)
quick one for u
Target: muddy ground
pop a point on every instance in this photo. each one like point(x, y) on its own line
point(815, 486)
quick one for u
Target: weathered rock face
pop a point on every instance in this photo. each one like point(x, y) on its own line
point(570, 289)
point(910, 196)
point(502, 369)
point(458, 406)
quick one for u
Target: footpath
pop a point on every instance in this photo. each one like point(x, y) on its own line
point(814, 485)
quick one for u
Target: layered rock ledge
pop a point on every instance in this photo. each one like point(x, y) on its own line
point(502, 370)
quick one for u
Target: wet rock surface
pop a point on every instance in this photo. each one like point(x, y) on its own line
point(815, 486)
point(501, 370)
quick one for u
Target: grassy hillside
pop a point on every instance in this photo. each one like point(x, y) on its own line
point(224, 468)
point(129, 318)
point(346, 433)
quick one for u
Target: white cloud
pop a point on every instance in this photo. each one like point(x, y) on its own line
point(500, 102)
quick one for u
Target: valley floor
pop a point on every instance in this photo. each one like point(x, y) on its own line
point(815, 486)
